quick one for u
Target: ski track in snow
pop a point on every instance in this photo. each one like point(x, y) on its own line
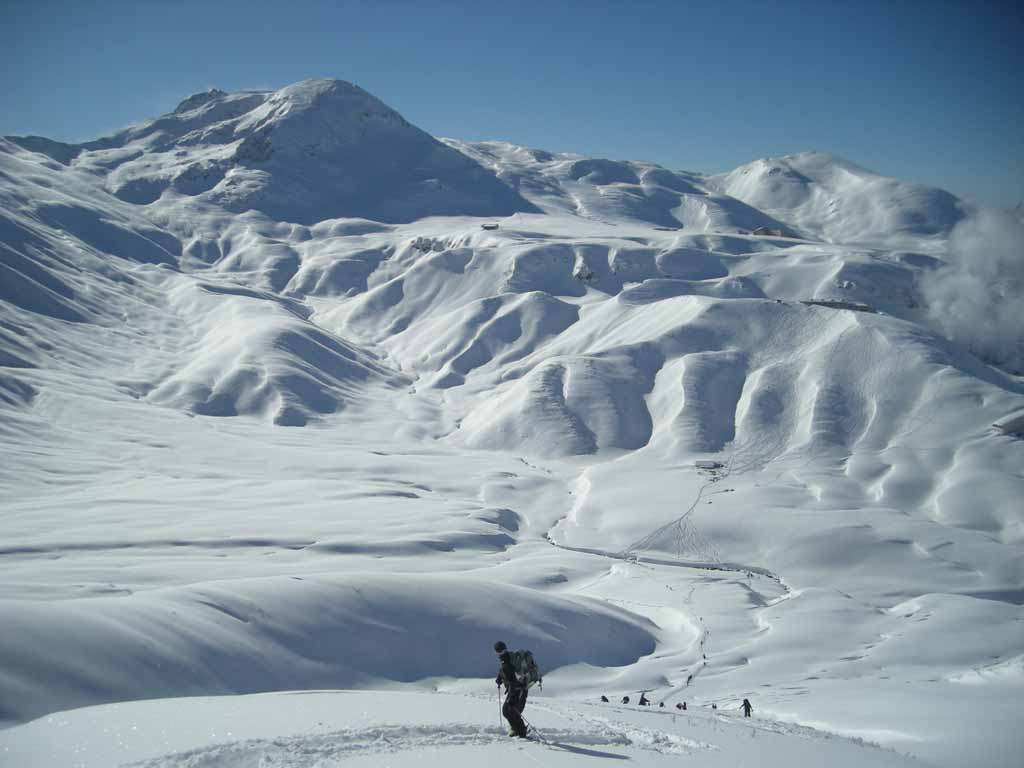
point(388, 739)
point(631, 554)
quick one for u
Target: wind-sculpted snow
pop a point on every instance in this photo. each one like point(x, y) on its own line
point(569, 406)
point(289, 633)
point(484, 336)
point(764, 382)
point(331, 275)
point(64, 243)
point(708, 437)
point(253, 356)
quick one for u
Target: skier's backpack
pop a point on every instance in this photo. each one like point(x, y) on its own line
point(527, 672)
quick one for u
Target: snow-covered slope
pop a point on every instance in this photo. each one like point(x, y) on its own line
point(834, 199)
point(699, 436)
point(406, 729)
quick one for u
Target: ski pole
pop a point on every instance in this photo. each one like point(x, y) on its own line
point(534, 731)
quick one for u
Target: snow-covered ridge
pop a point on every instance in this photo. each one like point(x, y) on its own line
point(703, 436)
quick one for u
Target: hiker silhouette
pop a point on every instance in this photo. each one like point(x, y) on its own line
point(515, 692)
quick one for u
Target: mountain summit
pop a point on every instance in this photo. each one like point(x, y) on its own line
point(315, 150)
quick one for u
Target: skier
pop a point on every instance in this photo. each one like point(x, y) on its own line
point(681, 706)
point(625, 699)
point(644, 701)
point(515, 692)
point(746, 707)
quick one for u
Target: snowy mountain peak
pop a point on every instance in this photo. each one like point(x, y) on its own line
point(197, 100)
point(314, 150)
point(324, 116)
point(325, 91)
point(812, 159)
point(338, 109)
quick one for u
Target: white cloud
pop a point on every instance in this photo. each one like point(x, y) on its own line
point(976, 298)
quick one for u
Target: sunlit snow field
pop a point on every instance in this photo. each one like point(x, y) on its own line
point(249, 450)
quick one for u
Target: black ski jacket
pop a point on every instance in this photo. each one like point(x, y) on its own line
point(507, 673)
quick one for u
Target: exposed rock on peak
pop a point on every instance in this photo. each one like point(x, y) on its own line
point(199, 99)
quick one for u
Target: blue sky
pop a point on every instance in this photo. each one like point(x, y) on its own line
point(928, 91)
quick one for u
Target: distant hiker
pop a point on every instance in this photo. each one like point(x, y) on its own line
point(515, 691)
point(604, 699)
point(625, 699)
point(644, 702)
point(689, 679)
point(746, 707)
point(714, 706)
point(662, 705)
point(679, 706)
